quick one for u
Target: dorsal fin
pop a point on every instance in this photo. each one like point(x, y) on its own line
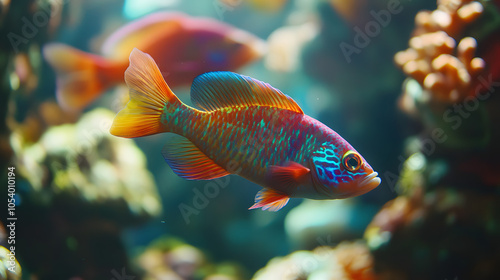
point(216, 90)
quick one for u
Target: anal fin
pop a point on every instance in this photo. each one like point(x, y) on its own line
point(188, 162)
point(270, 200)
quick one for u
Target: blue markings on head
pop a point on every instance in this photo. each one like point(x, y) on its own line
point(333, 159)
point(329, 174)
point(329, 170)
point(326, 162)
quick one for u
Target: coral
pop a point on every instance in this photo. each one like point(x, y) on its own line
point(171, 258)
point(181, 262)
point(79, 187)
point(446, 71)
point(87, 163)
point(349, 260)
point(449, 89)
point(430, 62)
point(444, 222)
point(439, 234)
point(451, 16)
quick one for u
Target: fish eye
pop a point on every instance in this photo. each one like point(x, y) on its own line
point(351, 161)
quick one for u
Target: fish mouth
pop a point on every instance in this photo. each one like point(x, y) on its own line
point(359, 187)
point(368, 183)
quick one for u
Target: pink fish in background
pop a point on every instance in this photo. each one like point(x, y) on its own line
point(183, 46)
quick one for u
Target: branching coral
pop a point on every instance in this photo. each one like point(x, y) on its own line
point(443, 224)
point(451, 16)
point(447, 71)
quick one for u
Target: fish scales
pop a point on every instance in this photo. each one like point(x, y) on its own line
point(245, 127)
point(240, 134)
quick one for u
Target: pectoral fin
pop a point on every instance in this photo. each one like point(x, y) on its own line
point(270, 200)
point(291, 174)
point(188, 162)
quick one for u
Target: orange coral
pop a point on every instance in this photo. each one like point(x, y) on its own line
point(447, 71)
point(347, 261)
point(356, 260)
point(451, 16)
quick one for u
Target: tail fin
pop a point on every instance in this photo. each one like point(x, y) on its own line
point(78, 81)
point(149, 93)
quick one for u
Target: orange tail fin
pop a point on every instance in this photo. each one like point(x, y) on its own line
point(79, 75)
point(149, 95)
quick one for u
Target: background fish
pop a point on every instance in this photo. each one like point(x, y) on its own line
point(184, 47)
point(299, 156)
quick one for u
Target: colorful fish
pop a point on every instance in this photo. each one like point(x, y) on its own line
point(184, 47)
point(246, 127)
